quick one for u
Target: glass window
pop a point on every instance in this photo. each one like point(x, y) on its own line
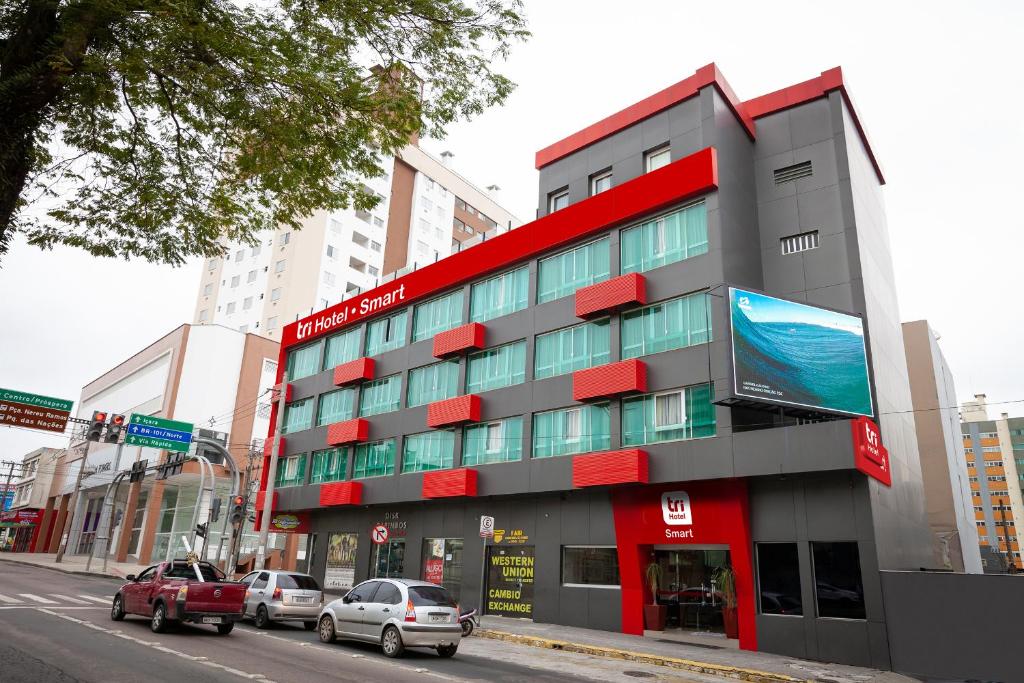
point(204, 315)
point(580, 429)
point(433, 383)
point(385, 334)
point(251, 277)
point(590, 566)
point(664, 326)
point(235, 280)
point(275, 294)
point(657, 158)
point(380, 396)
point(336, 406)
point(564, 273)
point(558, 200)
point(436, 316)
point(778, 578)
point(297, 582)
point(499, 296)
point(388, 594)
point(667, 239)
point(600, 182)
point(208, 289)
point(669, 416)
point(230, 308)
point(247, 303)
point(498, 441)
point(298, 416)
point(302, 362)
point(291, 471)
point(442, 564)
point(375, 459)
point(341, 348)
point(837, 582)
point(499, 367)
point(279, 266)
point(429, 451)
point(573, 348)
point(239, 255)
point(431, 596)
point(329, 465)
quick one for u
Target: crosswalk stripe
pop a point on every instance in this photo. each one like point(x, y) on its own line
point(38, 598)
point(68, 598)
point(10, 601)
point(95, 599)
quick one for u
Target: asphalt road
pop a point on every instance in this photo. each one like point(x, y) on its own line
point(56, 627)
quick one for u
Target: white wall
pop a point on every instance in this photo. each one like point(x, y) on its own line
point(209, 376)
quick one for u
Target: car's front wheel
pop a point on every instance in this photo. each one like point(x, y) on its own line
point(391, 642)
point(158, 624)
point(447, 651)
point(117, 608)
point(326, 629)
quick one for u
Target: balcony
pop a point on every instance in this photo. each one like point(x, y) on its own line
point(349, 431)
point(353, 371)
point(613, 379)
point(341, 493)
point(611, 295)
point(460, 339)
point(453, 411)
point(449, 483)
point(613, 467)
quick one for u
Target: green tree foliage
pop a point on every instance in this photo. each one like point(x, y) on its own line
point(153, 128)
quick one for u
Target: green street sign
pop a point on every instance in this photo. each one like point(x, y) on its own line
point(36, 400)
point(157, 432)
point(150, 421)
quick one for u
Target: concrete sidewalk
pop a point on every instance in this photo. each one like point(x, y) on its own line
point(74, 564)
point(725, 662)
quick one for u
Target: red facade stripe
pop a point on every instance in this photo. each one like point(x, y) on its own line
point(268, 446)
point(614, 467)
point(610, 295)
point(260, 496)
point(341, 493)
point(287, 392)
point(449, 483)
point(354, 371)
point(349, 431)
point(460, 339)
point(454, 411)
point(613, 379)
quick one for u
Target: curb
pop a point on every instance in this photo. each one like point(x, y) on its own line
point(63, 570)
point(721, 670)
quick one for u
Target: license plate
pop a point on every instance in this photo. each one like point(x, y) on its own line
point(212, 620)
point(438, 618)
point(301, 599)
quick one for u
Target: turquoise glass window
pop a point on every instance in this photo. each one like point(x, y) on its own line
point(667, 239)
point(329, 465)
point(498, 367)
point(668, 416)
point(291, 471)
point(375, 459)
point(667, 325)
point(497, 441)
point(298, 416)
point(433, 383)
point(336, 406)
point(341, 348)
point(573, 348)
point(580, 429)
point(437, 316)
point(429, 451)
point(380, 396)
point(303, 362)
point(564, 273)
point(498, 296)
point(386, 334)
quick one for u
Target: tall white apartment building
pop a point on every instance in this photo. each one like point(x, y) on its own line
point(426, 212)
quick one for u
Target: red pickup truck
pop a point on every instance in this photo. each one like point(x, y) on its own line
point(170, 593)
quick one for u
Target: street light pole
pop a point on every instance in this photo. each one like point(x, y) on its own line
point(268, 496)
point(73, 506)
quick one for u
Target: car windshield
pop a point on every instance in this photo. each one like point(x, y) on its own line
point(297, 581)
point(430, 596)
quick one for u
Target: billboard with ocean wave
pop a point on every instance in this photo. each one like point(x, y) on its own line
point(791, 354)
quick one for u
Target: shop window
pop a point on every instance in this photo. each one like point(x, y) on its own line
point(436, 316)
point(564, 273)
point(573, 348)
point(664, 326)
point(341, 348)
point(778, 578)
point(498, 367)
point(302, 362)
point(429, 451)
point(374, 459)
point(660, 417)
point(433, 383)
point(498, 296)
point(590, 566)
point(329, 465)
point(380, 396)
point(499, 441)
point(291, 471)
point(298, 416)
point(667, 239)
point(838, 588)
point(336, 406)
point(389, 559)
point(442, 564)
point(386, 334)
point(574, 430)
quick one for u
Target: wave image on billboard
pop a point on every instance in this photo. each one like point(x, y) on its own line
point(787, 353)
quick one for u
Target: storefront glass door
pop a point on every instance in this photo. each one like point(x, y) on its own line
point(689, 587)
point(388, 559)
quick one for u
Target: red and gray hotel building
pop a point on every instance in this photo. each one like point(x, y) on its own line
point(573, 379)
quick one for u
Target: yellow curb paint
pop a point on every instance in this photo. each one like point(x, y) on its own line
point(733, 672)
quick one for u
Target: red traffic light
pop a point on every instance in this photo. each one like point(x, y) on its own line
point(117, 420)
point(239, 500)
point(99, 416)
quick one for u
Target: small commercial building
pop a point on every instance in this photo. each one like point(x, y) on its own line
point(24, 520)
point(681, 393)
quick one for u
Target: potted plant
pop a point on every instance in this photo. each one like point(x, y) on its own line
point(726, 581)
point(654, 614)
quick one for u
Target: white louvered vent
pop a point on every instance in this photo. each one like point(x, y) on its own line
point(801, 242)
point(788, 174)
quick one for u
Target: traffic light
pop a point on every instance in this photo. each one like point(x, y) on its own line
point(114, 429)
point(237, 509)
point(95, 431)
point(201, 530)
point(172, 466)
point(138, 472)
point(215, 509)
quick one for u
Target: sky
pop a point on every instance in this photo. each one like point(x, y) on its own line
point(937, 86)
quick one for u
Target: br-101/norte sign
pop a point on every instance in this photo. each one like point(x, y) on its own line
point(156, 432)
point(33, 411)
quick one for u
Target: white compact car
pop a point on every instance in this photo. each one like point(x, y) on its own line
point(397, 613)
point(282, 596)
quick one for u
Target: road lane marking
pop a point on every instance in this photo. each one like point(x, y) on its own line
point(38, 598)
point(37, 607)
point(11, 601)
point(68, 598)
point(105, 601)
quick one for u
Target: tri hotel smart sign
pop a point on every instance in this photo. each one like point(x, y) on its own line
point(676, 511)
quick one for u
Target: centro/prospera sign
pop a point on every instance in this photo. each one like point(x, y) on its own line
point(347, 312)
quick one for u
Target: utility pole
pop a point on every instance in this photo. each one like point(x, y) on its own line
point(268, 496)
point(73, 506)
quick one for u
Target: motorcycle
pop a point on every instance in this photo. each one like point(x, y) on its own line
point(468, 620)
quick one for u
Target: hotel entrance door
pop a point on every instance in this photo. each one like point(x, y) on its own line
point(689, 587)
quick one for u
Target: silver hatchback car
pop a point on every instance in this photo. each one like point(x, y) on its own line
point(282, 596)
point(397, 613)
